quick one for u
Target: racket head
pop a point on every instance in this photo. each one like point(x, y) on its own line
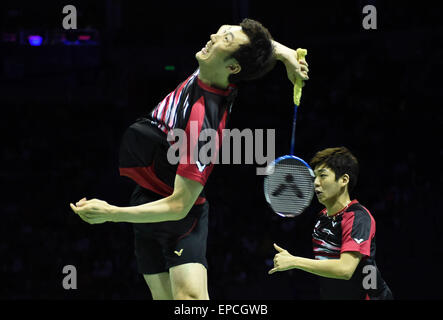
point(289, 185)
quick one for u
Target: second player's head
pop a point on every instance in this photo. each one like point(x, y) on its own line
point(336, 172)
point(240, 52)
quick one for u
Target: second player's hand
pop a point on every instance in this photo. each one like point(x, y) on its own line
point(93, 211)
point(283, 260)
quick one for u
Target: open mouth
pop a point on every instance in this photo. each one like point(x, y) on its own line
point(206, 48)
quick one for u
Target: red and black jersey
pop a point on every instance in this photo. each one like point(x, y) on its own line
point(193, 105)
point(352, 229)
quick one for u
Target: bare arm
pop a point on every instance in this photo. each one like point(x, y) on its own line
point(174, 207)
point(295, 69)
point(342, 268)
point(282, 52)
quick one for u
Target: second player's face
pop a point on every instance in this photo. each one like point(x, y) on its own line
point(327, 188)
point(221, 46)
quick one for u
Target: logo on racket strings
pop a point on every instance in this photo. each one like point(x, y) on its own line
point(290, 185)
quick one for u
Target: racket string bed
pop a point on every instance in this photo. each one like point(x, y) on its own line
point(289, 186)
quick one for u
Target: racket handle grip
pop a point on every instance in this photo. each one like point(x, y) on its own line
point(301, 54)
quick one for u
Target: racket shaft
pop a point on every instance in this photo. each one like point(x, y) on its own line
point(294, 122)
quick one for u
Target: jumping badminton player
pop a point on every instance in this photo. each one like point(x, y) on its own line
point(343, 237)
point(168, 209)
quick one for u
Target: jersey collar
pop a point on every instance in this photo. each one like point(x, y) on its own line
point(325, 212)
point(222, 92)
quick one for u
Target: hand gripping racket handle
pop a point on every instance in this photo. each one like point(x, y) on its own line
point(301, 54)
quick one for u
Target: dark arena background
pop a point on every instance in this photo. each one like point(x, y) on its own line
point(67, 96)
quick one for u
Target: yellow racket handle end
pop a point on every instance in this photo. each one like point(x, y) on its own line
point(301, 54)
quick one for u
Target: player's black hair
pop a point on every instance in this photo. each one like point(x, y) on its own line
point(341, 161)
point(257, 57)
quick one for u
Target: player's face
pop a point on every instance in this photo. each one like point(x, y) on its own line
point(221, 46)
point(327, 188)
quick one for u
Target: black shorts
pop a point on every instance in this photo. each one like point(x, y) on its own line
point(160, 246)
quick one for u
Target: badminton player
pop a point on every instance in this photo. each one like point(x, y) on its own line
point(168, 208)
point(343, 237)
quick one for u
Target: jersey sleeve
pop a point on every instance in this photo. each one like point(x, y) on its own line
point(358, 230)
point(203, 138)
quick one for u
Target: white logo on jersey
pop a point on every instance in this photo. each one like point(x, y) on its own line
point(334, 223)
point(200, 166)
point(358, 240)
point(327, 231)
